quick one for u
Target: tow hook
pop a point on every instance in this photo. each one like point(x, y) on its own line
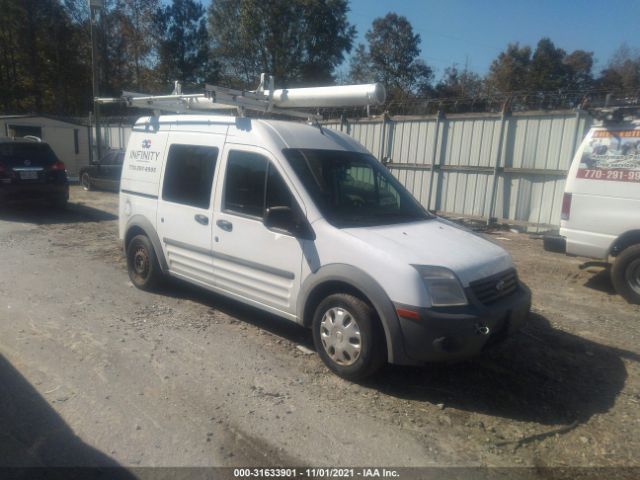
point(482, 329)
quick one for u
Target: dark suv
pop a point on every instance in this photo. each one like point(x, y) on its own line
point(30, 170)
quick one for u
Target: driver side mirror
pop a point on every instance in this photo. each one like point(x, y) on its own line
point(284, 219)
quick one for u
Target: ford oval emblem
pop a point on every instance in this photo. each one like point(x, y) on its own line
point(500, 285)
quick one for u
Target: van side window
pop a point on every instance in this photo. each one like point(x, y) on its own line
point(188, 176)
point(245, 182)
point(278, 194)
point(245, 185)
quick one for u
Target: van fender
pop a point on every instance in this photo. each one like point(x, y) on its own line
point(632, 237)
point(363, 282)
point(143, 223)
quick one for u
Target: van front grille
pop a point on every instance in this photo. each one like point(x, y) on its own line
point(491, 289)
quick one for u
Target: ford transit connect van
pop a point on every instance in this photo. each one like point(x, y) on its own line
point(303, 222)
point(601, 205)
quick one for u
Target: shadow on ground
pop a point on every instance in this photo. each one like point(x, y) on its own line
point(542, 374)
point(245, 313)
point(48, 215)
point(34, 439)
point(601, 282)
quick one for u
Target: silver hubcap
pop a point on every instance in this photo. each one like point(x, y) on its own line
point(632, 274)
point(340, 336)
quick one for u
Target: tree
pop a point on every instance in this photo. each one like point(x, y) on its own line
point(547, 70)
point(327, 36)
point(393, 58)
point(622, 74)
point(360, 68)
point(112, 62)
point(579, 64)
point(300, 42)
point(509, 72)
point(12, 68)
point(457, 83)
point(137, 29)
point(43, 66)
point(183, 43)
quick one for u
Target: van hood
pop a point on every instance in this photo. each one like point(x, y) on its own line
point(440, 243)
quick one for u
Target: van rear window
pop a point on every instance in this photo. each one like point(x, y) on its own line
point(612, 155)
point(188, 176)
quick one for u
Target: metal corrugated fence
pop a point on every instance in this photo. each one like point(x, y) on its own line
point(509, 167)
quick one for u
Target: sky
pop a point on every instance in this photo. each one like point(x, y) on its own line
point(474, 32)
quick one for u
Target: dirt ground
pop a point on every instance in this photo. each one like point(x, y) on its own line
point(184, 377)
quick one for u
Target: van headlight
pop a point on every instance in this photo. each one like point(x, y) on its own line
point(443, 286)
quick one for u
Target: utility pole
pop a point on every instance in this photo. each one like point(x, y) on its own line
point(96, 7)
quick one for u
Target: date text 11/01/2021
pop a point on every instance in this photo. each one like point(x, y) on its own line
point(316, 473)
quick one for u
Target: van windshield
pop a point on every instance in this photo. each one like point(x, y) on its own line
point(353, 189)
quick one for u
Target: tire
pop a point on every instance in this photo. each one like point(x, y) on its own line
point(625, 274)
point(335, 318)
point(85, 181)
point(142, 264)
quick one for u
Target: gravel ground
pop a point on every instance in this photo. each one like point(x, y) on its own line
point(94, 371)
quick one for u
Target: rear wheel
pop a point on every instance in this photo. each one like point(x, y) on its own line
point(142, 263)
point(348, 336)
point(85, 181)
point(625, 274)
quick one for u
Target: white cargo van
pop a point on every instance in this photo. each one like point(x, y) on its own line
point(601, 205)
point(301, 221)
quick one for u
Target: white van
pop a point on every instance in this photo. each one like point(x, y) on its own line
point(301, 221)
point(601, 205)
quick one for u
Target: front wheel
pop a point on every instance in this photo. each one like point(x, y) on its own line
point(142, 263)
point(625, 274)
point(348, 336)
point(85, 181)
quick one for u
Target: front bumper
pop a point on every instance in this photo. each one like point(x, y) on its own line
point(555, 243)
point(456, 333)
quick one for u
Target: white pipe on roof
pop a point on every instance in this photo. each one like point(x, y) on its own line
point(338, 96)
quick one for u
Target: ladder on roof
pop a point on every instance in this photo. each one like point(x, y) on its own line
point(260, 100)
point(614, 110)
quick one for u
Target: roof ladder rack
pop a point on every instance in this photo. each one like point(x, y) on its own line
point(283, 101)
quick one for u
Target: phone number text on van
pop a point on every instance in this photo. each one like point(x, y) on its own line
point(616, 175)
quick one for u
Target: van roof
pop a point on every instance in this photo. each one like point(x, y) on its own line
point(617, 126)
point(285, 134)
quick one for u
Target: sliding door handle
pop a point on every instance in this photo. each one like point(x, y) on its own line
point(225, 225)
point(202, 219)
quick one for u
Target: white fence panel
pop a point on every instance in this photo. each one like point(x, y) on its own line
point(508, 167)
